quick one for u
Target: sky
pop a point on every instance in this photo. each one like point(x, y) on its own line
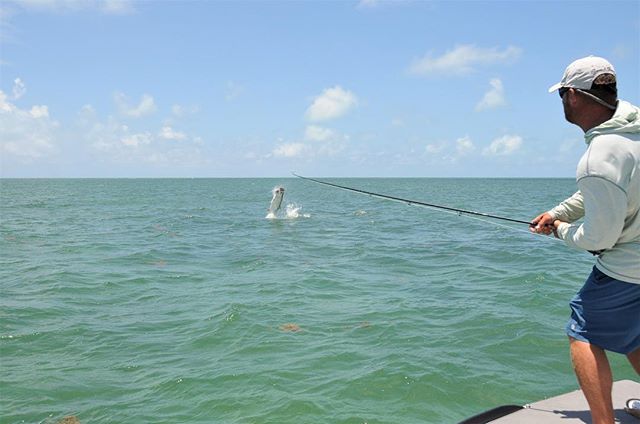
point(371, 88)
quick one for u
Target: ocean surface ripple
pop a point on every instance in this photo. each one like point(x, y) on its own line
point(176, 301)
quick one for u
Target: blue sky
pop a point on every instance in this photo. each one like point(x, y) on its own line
point(324, 88)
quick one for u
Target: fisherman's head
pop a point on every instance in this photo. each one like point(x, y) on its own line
point(589, 83)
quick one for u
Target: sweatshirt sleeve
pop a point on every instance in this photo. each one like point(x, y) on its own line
point(605, 205)
point(570, 210)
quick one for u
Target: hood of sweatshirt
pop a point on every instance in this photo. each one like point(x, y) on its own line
point(625, 120)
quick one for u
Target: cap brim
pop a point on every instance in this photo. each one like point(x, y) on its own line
point(554, 87)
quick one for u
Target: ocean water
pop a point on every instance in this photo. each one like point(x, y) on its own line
point(176, 301)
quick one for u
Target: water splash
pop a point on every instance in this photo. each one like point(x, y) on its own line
point(293, 211)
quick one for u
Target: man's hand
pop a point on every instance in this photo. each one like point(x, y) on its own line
point(542, 224)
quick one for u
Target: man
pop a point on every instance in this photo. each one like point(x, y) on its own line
point(606, 311)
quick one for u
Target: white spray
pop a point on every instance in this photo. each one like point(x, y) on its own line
point(292, 211)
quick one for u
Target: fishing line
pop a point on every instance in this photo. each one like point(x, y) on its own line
point(455, 211)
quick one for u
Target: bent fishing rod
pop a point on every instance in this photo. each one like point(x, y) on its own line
point(415, 202)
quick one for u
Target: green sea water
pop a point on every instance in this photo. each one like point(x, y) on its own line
point(176, 301)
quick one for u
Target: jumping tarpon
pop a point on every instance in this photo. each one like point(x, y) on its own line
point(276, 201)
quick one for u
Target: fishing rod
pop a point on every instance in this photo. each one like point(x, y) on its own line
point(415, 202)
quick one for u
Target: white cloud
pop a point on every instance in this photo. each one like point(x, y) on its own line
point(332, 103)
point(297, 149)
point(464, 146)
point(233, 91)
point(116, 139)
point(397, 122)
point(180, 111)
point(30, 135)
point(251, 155)
point(5, 106)
point(146, 106)
point(373, 4)
point(117, 143)
point(18, 88)
point(86, 112)
point(8, 30)
point(39, 111)
point(435, 148)
point(11, 8)
point(368, 3)
point(290, 150)
point(444, 152)
point(113, 141)
point(318, 133)
point(112, 7)
point(181, 157)
point(26, 134)
point(107, 136)
point(116, 7)
point(135, 140)
point(494, 97)
point(463, 59)
point(503, 146)
point(169, 133)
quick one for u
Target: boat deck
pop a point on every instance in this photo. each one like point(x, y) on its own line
point(572, 408)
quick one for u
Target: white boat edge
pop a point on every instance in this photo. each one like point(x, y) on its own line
point(567, 408)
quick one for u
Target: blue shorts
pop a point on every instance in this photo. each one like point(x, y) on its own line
point(606, 313)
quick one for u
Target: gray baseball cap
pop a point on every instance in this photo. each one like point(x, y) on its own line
point(583, 72)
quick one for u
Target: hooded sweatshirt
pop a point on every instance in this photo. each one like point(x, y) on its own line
point(608, 178)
